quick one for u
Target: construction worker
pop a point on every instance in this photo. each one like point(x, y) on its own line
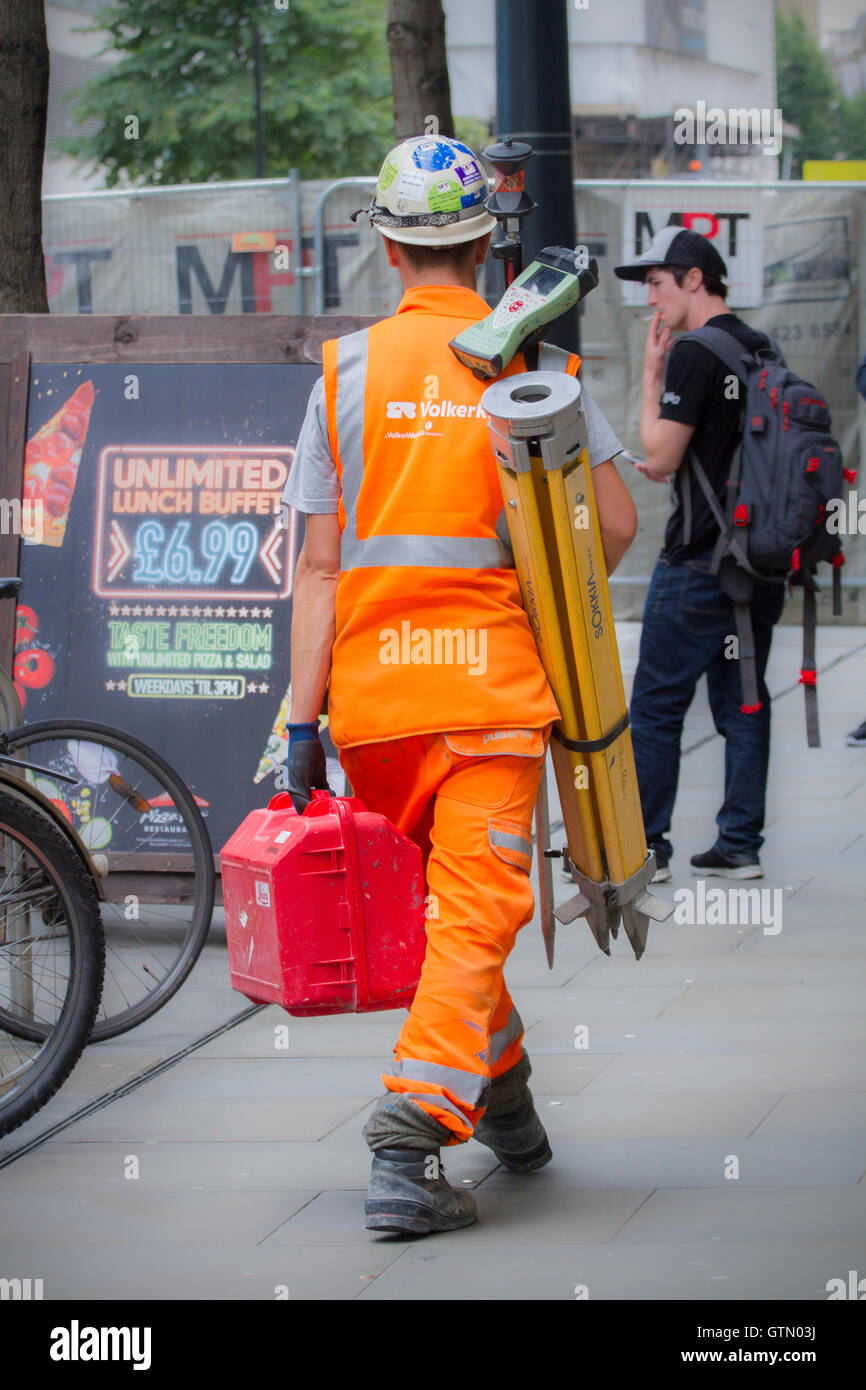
point(407, 601)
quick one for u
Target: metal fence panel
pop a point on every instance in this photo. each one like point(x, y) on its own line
point(796, 253)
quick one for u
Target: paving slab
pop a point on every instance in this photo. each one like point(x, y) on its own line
point(800, 1114)
point(738, 1000)
point(680, 1163)
point(131, 1212)
point(746, 1215)
point(795, 1068)
point(537, 1211)
point(218, 1271)
point(561, 1272)
point(682, 1115)
point(139, 1118)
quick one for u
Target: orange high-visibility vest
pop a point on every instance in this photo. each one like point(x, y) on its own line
point(431, 635)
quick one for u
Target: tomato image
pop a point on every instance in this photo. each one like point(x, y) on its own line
point(26, 625)
point(34, 668)
point(62, 806)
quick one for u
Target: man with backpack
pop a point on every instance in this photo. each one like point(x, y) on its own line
point(692, 405)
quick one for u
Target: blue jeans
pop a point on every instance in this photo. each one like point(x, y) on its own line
point(687, 621)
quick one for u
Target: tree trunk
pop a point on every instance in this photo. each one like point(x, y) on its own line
point(23, 110)
point(419, 69)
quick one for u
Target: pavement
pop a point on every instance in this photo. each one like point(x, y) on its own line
point(706, 1105)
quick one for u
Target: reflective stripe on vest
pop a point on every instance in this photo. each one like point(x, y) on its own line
point(436, 552)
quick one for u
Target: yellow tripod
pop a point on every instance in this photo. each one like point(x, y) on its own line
point(538, 435)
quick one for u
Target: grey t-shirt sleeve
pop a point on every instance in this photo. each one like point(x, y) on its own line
point(313, 484)
point(601, 442)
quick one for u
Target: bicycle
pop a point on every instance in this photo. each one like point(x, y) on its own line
point(52, 955)
point(143, 835)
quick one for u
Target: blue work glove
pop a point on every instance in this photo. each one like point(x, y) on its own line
point(306, 764)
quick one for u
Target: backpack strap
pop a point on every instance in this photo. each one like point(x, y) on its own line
point(724, 346)
point(808, 672)
point(746, 656)
point(736, 357)
point(727, 541)
point(686, 494)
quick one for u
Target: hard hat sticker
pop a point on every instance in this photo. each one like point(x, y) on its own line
point(444, 197)
point(411, 184)
point(468, 173)
point(433, 155)
point(387, 174)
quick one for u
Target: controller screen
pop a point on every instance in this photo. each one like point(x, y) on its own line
point(544, 280)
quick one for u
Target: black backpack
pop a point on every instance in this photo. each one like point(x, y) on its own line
point(784, 473)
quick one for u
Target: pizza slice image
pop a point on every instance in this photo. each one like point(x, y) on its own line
point(51, 461)
point(276, 749)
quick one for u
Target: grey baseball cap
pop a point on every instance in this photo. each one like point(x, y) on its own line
point(675, 246)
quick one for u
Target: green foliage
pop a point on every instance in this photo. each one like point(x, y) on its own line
point(473, 132)
point(807, 92)
point(854, 126)
point(186, 72)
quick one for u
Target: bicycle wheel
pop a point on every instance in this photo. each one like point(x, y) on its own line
point(52, 957)
point(151, 846)
point(11, 712)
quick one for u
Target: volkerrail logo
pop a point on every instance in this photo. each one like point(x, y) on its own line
point(434, 410)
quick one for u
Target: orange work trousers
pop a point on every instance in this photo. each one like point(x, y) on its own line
point(467, 801)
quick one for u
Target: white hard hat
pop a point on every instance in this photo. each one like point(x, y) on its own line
point(431, 191)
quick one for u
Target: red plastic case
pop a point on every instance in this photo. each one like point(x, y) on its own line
point(325, 910)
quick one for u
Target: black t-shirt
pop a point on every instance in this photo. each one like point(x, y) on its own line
point(695, 394)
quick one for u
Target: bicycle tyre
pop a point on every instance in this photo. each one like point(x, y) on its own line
point(66, 1040)
point(11, 713)
point(25, 741)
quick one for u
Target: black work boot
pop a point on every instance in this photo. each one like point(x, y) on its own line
point(409, 1193)
point(518, 1137)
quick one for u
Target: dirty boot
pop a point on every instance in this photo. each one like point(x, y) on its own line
point(409, 1193)
point(517, 1137)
